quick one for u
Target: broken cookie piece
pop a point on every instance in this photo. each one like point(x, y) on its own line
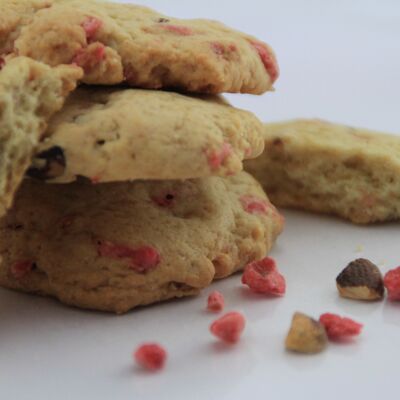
point(306, 335)
point(361, 280)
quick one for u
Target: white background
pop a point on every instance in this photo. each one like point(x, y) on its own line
point(340, 60)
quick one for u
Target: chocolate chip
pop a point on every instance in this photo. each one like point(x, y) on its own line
point(48, 164)
point(361, 280)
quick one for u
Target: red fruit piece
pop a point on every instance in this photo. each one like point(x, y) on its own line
point(267, 59)
point(21, 268)
point(263, 277)
point(164, 200)
point(254, 205)
point(217, 157)
point(141, 259)
point(229, 327)
point(91, 25)
point(180, 30)
point(338, 327)
point(89, 57)
point(392, 283)
point(151, 356)
point(215, 301)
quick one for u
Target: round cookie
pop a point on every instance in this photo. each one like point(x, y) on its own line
point(30, 93)
point(116, 246)
point(117, 43)
point(111, 135)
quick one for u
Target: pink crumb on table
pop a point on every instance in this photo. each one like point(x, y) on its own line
point(150, 356)
point(91, 25)
point(338, 327)
point(141, 259)
point(254, 205)
point(215, 301)
point(267, 59)
point(21, 268)
point(180, 30)
point(229, 327)
point(217, 157)
point(263, 277)
point(391, 281)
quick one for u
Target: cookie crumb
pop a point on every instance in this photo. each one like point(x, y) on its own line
point(392, 284)
point(215, 301)
point(229, 327)
point(306, 335)
point(361, 280)
point(359, 248)
point(263, 277)
point(150, 356)
point(338, 327)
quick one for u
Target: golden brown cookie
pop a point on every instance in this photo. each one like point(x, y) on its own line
point(30, 93)
point(117, 43)
point(115, 246)
point(116, 135)
point(319, 166)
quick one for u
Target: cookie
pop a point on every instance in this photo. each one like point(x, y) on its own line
point(117, 43)
point(116, 135)
point(323, 167)
point(30, 92)
point(116, 246)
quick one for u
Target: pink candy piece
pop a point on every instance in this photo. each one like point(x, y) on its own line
point(180, 30)
point(150, 356)
point(220, 49)
point(254, 205)
point(338, 327)
point(269, 63)
point(229, 327)
point(215, 301)
point(141, 259)
point(392, 284)
point(217, 157)
point(91, 25)
point(89, 57)
point(21, 268)
point(263, 277)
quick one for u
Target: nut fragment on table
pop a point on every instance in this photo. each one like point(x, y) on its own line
point(306, 335)
point(361, 280)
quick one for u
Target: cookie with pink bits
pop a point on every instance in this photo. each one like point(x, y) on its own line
point(115, 246)
point(110, 135)
point(30, 93)
point(117, 43)
point(329, 168)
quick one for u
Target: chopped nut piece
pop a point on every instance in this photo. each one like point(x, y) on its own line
point(306, 335)
point(361, 280)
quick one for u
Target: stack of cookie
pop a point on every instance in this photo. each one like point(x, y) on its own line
point(135, 195)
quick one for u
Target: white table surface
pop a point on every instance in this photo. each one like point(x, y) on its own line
point(339, 61)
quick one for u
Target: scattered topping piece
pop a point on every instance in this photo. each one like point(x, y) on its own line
point(215, 301)
point(141, 260)
point(180, 30)
point(392, 283)
point(217, 157)
point(150, 356)
point(254, 205)
point(90, 57)
point(21, 268)
point(91, 25)
point(338, 327)
point(48, 164)
point(361, 280)
point(229, 327)
point(263, 277)
point(269, 63)
point(306, 335)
